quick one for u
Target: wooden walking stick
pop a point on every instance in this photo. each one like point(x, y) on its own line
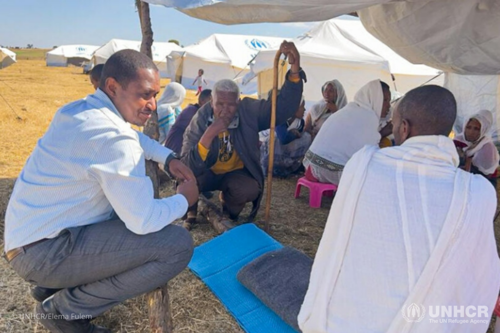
point(271, 139)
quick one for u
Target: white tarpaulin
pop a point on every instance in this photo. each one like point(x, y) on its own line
point(7, 57)
point(406, 75)
point(326, 53)
point(159, 51)
point(458, 36)
point(69, 54)
point(254, 11)
point(220, 56)
point(451, 35)
point(474, 93)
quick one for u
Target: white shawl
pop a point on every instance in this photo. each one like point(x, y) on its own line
point(427, 238)
point(354, 126)
point(170, 101)
point(484, 153)
point(318, 109)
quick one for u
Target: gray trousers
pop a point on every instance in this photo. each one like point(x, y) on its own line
point(101, 265)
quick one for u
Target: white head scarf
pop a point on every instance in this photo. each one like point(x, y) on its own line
point(354, 126)
point(173, 95)
point(320, 108)
point(485, 156)
point(371, 97)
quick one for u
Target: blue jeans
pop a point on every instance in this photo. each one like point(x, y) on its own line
point(101, 265)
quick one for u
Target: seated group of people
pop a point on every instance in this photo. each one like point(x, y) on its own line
point(406, 226)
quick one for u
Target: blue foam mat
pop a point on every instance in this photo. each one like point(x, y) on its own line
point(218, 261)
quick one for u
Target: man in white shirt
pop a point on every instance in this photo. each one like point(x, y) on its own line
point(82, 219)
point(408, 234)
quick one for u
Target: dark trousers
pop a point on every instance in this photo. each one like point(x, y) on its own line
point(101, 265)
point(238, 187)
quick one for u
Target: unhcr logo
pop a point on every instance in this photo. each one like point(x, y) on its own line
point(256, 44)
point(414, 313)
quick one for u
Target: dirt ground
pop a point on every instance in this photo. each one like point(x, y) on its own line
point(30, 94)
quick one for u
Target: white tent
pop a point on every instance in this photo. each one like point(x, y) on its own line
point(69, 54)
point(326, 54)
point(406, 75)
point(7, 57)
point(159, 50)
point(221, 57)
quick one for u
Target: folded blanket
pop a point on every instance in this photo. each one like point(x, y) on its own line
point(279, 279)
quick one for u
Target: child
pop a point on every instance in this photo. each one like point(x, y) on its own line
point(199, 81)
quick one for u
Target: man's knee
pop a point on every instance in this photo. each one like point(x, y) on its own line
point(246, 191)
point(183, 247)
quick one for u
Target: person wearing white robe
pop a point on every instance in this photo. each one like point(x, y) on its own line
point(407, 229)
point(478, 148)
point(169, 107)
point(347, 131)
point(334, 99)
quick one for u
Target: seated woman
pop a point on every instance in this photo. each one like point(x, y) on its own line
point(290, 145)
point(475, 147)
point(334, 100)
point(169, 107)
point(346, 132)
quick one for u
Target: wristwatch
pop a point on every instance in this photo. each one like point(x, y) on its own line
point(172, 156)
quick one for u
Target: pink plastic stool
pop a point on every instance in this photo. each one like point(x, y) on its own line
point(316, 191)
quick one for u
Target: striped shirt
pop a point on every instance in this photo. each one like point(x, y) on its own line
point(89, 164)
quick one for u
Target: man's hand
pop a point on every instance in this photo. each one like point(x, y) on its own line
point(220, 124)
point(332, 106)
point(180, 171)
point(189, 190)
point(289, 50)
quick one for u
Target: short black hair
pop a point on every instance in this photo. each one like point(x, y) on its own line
point(430, 110)
point(124, 65)
point(205, 94)
point(95, 73)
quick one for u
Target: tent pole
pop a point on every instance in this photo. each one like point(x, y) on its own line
point(271, 139)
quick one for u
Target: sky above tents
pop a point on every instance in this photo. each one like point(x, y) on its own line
point(52, 23)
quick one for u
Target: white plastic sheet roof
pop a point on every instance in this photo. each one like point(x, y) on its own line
point(326, 53)
point(7, 57)
point(459, 36)
point(159, 50)
point(398, 64)
point(236, 50)
point(74, 51)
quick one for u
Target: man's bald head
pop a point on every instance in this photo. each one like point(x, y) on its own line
point(426, 110)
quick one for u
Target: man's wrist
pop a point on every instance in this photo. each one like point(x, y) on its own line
point(170, 158)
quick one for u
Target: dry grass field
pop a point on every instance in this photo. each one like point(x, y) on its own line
point(30, 95)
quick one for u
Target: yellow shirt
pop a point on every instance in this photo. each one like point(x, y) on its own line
point(228, 159)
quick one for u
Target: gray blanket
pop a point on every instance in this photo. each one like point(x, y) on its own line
point(279, 279)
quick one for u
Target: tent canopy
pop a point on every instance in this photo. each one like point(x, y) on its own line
point(65, 54)
point(453, 36)
point(159, 50)
point(7, 57)
point(220, 56)
point(326, 53)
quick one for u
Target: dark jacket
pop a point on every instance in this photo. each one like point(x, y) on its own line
point(176, 133)
point(254, 116)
